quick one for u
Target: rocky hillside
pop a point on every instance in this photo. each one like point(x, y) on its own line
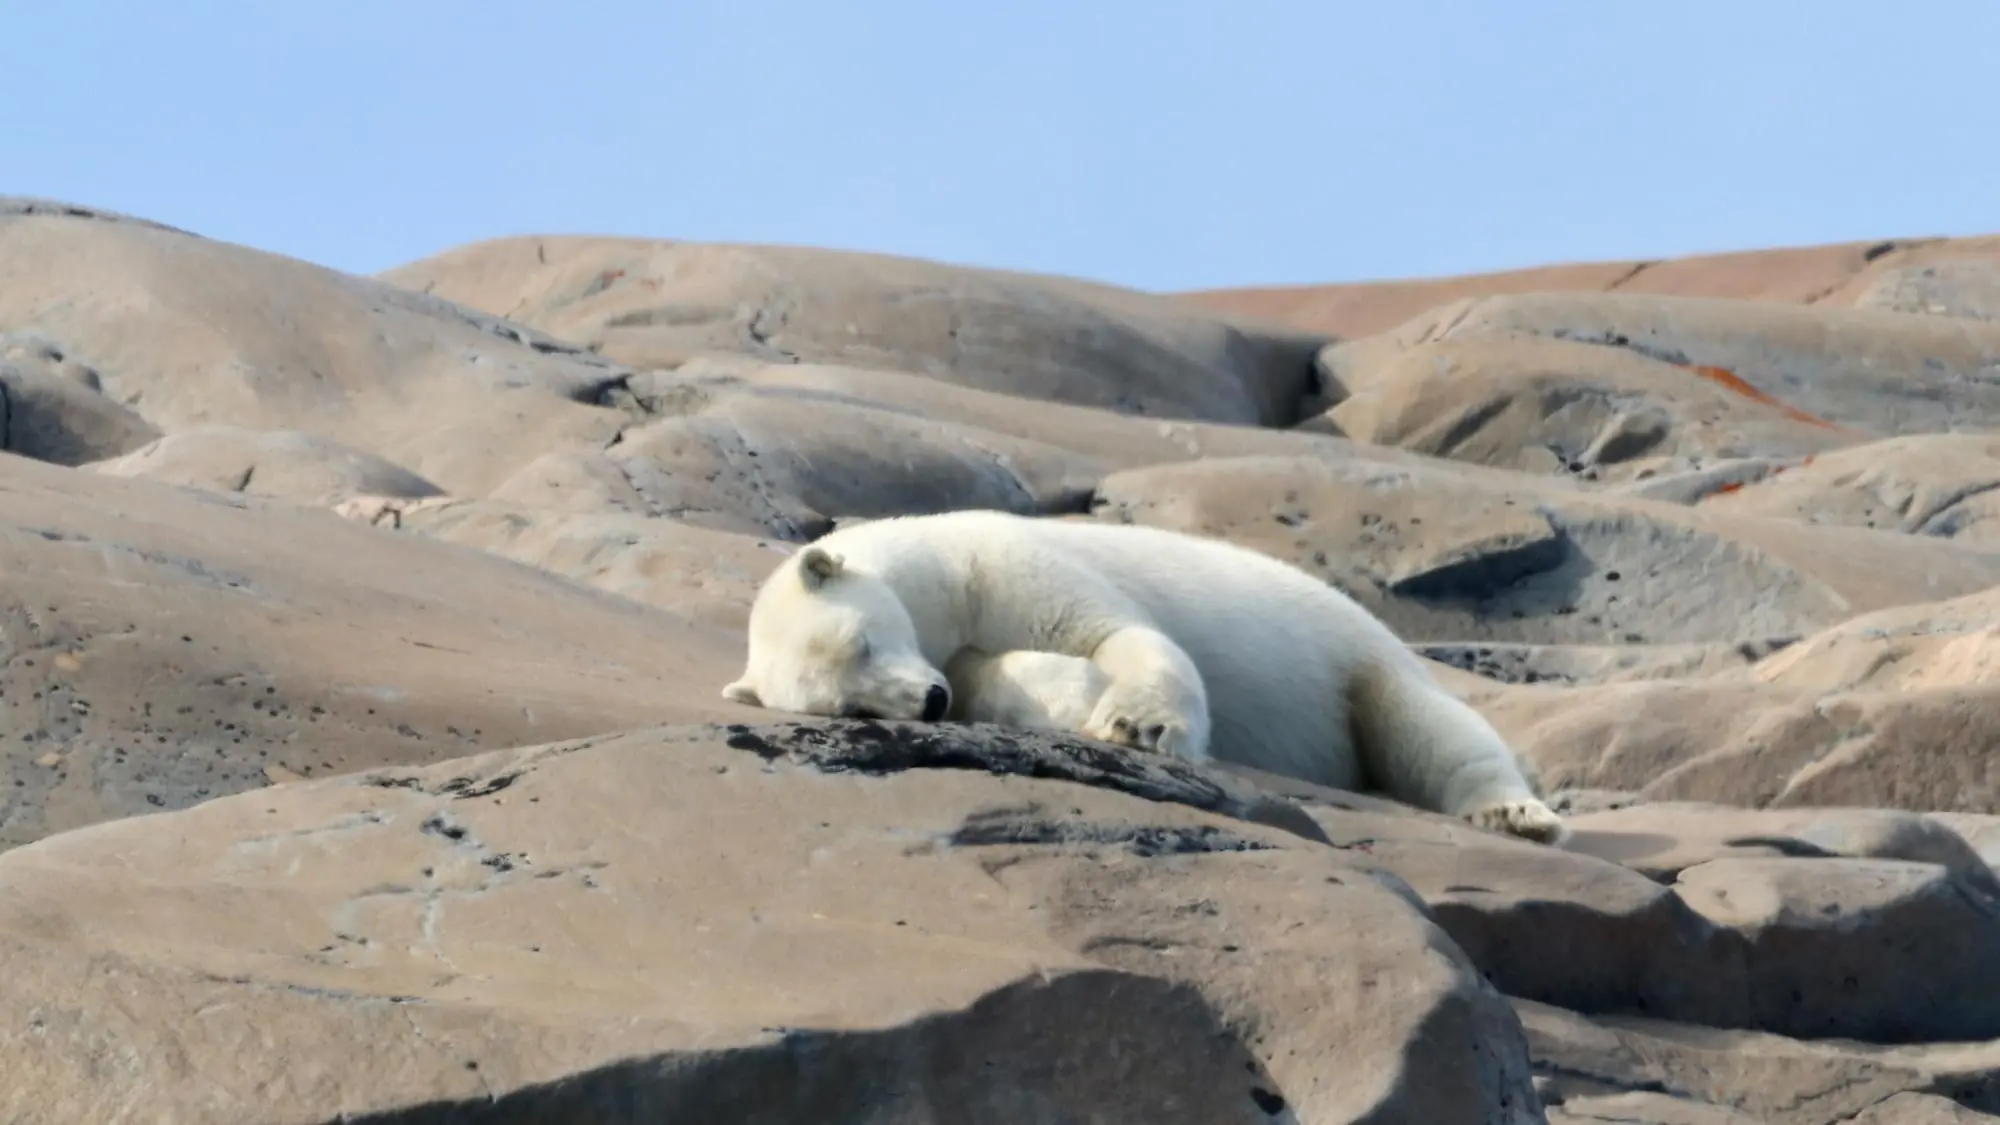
point(361, 646)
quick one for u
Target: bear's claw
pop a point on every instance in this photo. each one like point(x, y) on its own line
point(1525, 817)
point(1153, 733)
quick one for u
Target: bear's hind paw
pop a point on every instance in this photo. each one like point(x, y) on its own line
point(1526, 817)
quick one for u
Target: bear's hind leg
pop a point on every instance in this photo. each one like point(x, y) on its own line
point(1425, 747)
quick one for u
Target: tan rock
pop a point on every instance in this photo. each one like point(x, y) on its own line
point(185, 331)
point(1948, 643)
point(1663, 838)
point(1831, 274)
point(1557, 406)
point(1965, 288)
point(1678, 485)
point(1758, 745)
point(1639, 1107)
point(288, 464)
point(659, 303)
point(1866, 372)
point(168, 646)
point(1627, 944)
point(1764, 1078)
point(787, 450)
point(1942, 485)
point(702, 575)
point(1825, 940)
point(1773, 945)
point(1888, 709)
point(1981, 831)
point(1112, 439)
point(1570, 664)
point(1444, 557)
point(775, 924)
point(52, 408)
point(774, 465)
point(1921, 1109)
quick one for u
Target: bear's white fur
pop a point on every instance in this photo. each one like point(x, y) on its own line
point(1201, 644)
point(1041, 690)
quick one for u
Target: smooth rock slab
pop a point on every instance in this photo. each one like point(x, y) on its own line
point(53, 408)
point(1888, 951)
point(1868, 372)
point(1443, 555)
point(160, 646)
point(1584, 1063)
point(658, 303)
point(783, 923)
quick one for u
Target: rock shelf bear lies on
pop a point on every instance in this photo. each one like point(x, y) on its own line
point(1203, 648)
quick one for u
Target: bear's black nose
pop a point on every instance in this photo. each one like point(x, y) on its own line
point(936, 702)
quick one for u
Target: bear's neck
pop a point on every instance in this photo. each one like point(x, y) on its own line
point(940, 599)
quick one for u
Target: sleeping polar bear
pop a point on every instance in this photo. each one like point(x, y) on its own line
point(1203, 647)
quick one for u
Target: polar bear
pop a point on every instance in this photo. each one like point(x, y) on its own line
point(1204, 647)
point(1040, 690)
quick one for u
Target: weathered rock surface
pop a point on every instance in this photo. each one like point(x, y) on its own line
point(1969, 288)
point(1445, 557)
point(1588, 1066)
point(1860, 372)
point(161, 646)
point(753, 924)
point(1942, 485)
point(288, 464)
point(1833, 275)
point(702, 575)
point(659, 303)
point(186, 331)
point(359, 640)
point(52, 408)
point(1890, 709)
point(1559, 406)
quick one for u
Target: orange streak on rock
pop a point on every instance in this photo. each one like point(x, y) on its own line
point(1729, 379)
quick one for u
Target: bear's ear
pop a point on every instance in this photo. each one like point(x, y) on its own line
point(817, 564)
point(742, 692)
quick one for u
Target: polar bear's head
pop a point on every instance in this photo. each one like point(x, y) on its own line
point(828, 640)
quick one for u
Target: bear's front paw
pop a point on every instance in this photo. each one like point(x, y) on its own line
point(1138, 720)
point(1525, 817)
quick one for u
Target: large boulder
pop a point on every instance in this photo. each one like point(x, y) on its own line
point(658, 303)
point(753, 924)
point(161, 646)
point(1445, 556)
point(1864, 372)
point(289, 464)
point(182, 331)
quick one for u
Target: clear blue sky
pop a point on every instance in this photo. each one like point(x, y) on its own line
point(1163, 144)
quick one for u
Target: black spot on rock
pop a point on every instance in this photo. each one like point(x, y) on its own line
point(740, 738)
point(395, 782)
point(1143, 839)
point(439, 826)
point(1268, 1101)
point(463, 788)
